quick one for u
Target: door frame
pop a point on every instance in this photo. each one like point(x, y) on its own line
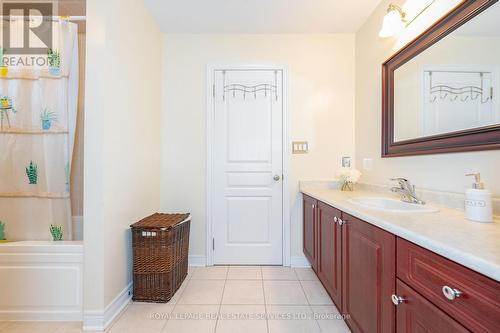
point(286, 225)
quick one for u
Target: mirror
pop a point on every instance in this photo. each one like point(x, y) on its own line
point(444, 87)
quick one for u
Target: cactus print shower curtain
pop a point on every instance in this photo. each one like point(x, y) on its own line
point(38, 106)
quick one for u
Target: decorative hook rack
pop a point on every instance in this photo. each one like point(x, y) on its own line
point(251, 90)
point(462, 94)
point(266, 88)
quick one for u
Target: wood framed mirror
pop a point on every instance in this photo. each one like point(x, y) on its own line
point(441, 92)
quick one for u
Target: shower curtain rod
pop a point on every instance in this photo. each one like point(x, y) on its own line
point(52, 18)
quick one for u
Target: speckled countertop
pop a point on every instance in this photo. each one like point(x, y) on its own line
point(447, 232)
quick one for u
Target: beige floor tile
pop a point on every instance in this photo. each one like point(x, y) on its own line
point(278, 273)
point(195, 306)
point(192, 318)
point(70, 327)
point(191, 270)
point(4, 324)
point(210, 273)
point(243, 312)
point(291, 319)
point(202, 292)
point(195, 312)
point(243, 292)
point(244, 273)
point(242, 319)
point(142, 317)
point(31, 327)
point(189, 326)
point(306, 274)
point(284, 293)
point(179, 292)
point(316, 293)
point(329, 319)
point(42, 327)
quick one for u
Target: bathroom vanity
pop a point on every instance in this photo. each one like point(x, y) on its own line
point(402, 272)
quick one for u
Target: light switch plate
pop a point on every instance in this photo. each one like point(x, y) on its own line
point(300, 147)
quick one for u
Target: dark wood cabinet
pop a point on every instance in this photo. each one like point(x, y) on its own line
point(416, 314)
point(362, 266)
point(309, 230)
point(369, 264)
point(477, 307)
point(329, 267)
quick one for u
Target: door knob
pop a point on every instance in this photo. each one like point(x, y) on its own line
point(276, 177)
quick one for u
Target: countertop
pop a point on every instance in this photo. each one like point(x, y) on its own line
point(447, 232)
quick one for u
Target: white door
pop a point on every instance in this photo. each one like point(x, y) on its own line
point(247, 167)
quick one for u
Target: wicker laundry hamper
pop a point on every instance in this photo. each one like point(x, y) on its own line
point(160, 246)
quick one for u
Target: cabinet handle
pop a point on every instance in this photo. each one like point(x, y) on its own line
point(313, 206)
point(335, 219)
point(396, 300)
point(451, 293)
point(342, 222)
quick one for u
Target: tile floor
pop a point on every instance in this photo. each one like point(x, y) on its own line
point(242, 299)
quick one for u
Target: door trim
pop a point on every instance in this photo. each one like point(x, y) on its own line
point(285, 151)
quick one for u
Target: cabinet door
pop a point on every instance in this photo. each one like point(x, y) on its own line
point(477, 307)
point(369, 260)
point(309, 230)
point(330, 251)
point(416, 314)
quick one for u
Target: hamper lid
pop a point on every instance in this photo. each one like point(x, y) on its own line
point(160, 221)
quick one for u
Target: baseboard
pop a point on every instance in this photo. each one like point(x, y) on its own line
point(100, 320)
point(299, 262)
point(199, 261)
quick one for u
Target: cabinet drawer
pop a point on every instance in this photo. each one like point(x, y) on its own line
point(478, 306)
point(416, 314)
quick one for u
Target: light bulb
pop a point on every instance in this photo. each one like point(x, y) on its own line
point(392, 25)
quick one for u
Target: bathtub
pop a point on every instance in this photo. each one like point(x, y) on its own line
point(41, 280)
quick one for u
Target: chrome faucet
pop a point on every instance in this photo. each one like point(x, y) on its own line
point(407, 191)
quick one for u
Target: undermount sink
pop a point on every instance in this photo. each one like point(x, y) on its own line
point(391, 205)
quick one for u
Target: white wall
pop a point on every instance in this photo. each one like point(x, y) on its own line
point(321, 107)
point(437, 172)
point(122, 140)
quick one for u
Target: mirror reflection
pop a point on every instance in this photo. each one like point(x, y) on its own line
point(453, 85)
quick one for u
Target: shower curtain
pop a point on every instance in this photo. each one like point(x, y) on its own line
point(38, 108)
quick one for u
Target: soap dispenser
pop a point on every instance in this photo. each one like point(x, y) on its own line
point(478, 206)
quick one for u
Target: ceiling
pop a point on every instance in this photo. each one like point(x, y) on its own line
point(260, 16)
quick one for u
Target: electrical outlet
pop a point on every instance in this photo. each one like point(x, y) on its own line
point(300, 147)
point(346, 161)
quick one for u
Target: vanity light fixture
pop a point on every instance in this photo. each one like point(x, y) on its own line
point(396, 20)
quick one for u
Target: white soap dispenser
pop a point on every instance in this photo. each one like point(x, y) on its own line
point(478, 206)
